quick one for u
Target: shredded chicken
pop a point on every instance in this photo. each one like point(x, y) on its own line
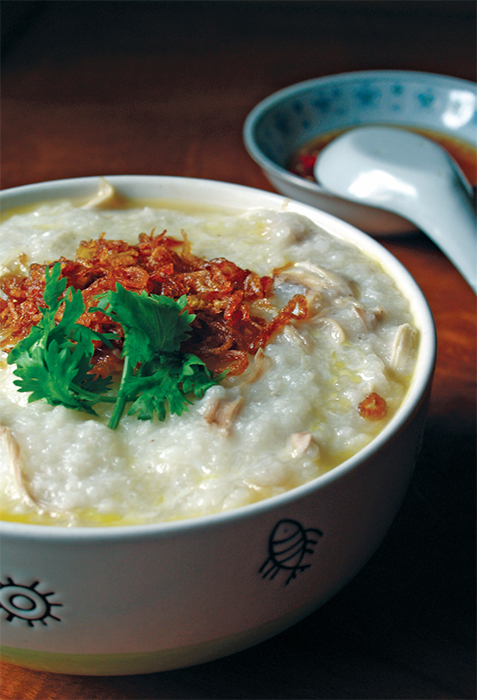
point(369, 317)
point(335, 329)
point(314, 277)
point(221, 413)
point(261, 362)
point(10, 450)
point(106, 196)
point(299, 443)
point(402, 347)
point(315, 302)
point(297, 338)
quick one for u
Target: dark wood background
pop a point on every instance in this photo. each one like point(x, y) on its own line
point(93, 88)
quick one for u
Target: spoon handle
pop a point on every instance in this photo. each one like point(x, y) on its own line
point(452, 226)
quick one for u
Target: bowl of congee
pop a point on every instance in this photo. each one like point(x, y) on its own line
point(211, 403)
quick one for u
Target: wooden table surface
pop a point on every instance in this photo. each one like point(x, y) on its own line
point(93, 88)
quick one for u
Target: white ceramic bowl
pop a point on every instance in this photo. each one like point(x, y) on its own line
point(140, 599)
point(290, 118)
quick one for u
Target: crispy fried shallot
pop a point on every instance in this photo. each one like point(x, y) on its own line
point(225, 330)
point(373, 407)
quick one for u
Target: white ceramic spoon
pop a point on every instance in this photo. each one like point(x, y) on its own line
point(410, 175)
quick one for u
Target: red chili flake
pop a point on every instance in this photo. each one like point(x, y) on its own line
point(307, 160)
point(306, 164)
point(373, 407)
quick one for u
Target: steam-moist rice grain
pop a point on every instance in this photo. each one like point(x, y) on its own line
point(289, 418)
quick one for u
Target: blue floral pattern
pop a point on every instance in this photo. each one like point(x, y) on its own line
point(368, 96)
point(289, 119)
point(425, 99)
point(292, 117)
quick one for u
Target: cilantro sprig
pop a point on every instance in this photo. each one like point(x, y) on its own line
point(54, 361)
point(155, 372)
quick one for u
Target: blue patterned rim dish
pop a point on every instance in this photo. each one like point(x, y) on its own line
point(288, 119)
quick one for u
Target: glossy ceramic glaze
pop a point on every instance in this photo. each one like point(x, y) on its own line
point(408, 174)
point(141, 599)
point(286, 120)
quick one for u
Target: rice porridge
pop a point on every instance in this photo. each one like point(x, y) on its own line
point(315, 393)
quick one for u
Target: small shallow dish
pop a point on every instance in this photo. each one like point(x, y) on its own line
point(147, 598)
point(292, 117)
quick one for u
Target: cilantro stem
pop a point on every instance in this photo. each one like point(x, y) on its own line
point(121, 399)
point(91, 395)
point(54, 361)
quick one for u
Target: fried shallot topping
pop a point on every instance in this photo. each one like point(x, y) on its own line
point(220, 294)
point(373, 407)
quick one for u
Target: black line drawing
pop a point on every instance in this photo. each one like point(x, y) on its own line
point(26, 603)
point(287, 546)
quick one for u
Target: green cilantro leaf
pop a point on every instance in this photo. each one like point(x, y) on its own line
point(169, 379)
point(54, 361)
point(156, 374)
point(152, 324)
point(50, 374)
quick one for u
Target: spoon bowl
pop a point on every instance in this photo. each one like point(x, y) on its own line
point(410, 175)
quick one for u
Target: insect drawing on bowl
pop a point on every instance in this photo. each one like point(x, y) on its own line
point(26, 603)
point(287, 546)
